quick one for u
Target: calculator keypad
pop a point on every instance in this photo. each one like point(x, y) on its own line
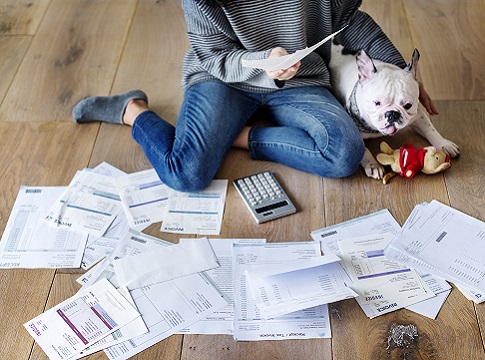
point(260, 187)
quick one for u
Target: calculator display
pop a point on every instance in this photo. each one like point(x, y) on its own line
point(271, 207)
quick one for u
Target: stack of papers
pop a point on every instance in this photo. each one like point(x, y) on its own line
point(160, 298)
point(80, 224)
point(296, 314)
point(446, 243)
point(383, 285)
point(140, 289)
point(65, 330)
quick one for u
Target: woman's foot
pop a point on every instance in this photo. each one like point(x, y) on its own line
point(133, 109)
point(116, 109)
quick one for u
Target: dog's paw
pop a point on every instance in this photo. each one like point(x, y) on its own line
point(374, 170)
point(449, 147)
point(371, 167)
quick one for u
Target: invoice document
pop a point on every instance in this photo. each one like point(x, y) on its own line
point(277, 291)
point(143, 196)
point(221, 321)
point(196, 212)
point(376, 223)
point(69, 327)
point(169, 307)
point(383, 285)
point(98, 248)
point(133, 243)
point(30, 242)
point(89, 204)
point(431, 307)
point(107, 169)
point(248, 322)
point(166, 307)
point(444, 242)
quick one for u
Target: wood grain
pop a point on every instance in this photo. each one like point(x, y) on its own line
point(391, 17)
point(449, 35)
point(21, 17)
point(12, 51)
point(153, 56)
point(68, 60)
point(463, 122)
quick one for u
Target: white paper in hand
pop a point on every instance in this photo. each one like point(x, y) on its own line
point(284, 62)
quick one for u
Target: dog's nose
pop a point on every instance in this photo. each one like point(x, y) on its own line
point(392, 116)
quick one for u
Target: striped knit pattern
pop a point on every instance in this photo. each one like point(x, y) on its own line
point(221, 37)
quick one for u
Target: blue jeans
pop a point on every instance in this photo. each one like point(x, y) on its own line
point(312, 132)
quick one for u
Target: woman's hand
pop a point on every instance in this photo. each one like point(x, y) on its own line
point(425, 99)
point(282, 74)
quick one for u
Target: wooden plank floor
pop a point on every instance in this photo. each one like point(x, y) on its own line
point(55, 52)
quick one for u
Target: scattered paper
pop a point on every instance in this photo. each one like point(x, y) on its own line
point(98, 248)
point(133, 329)
point(284, 62)
point(108, 170)
point(153, 267)
point(143, 196)
point(144, 289)
point(280, 293)
point(196, 213)
point(169, 307)
point(248, 322)
point(431, 307)
point(444, 242)
point(30, 242)
point(471, 294)
point(134, 243)
point(89, 204)
point(80, 321)
point(380, 222)
point(222, 321)
point(382, 285)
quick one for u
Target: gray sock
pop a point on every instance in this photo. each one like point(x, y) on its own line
point(105, 108)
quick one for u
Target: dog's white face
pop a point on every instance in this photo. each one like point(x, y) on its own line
point(389, 95)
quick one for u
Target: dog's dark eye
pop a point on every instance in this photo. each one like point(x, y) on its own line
point(377, 103)
point(408, 106)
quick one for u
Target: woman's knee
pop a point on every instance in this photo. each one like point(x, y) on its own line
point(350, 159)
point(186, 179)
point(341, 160)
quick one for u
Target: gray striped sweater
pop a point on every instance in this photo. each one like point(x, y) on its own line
point(220, 37)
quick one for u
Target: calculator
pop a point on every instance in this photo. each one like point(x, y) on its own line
point(264, 196)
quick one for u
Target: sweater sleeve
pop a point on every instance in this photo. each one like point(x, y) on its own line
point(363, 33)
point(217, 49)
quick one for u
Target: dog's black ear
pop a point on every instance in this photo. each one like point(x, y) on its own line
point(365, 65)
point(412, 67)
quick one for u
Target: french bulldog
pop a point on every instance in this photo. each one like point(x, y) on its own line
point(382, 99)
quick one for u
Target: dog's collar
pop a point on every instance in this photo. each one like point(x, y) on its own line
point(354, 112)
